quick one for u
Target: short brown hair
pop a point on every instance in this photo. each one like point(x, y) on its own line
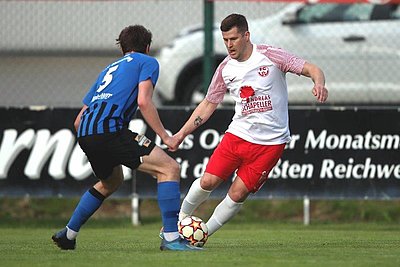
point(234, 20)
point(134, 38)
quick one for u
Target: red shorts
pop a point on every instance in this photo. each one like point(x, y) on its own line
point(252, 161)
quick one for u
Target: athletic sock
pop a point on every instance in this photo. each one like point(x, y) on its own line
point(193, 199)
point(71, 234)
point(90, 201)
point(168, 195)
point(225, 211)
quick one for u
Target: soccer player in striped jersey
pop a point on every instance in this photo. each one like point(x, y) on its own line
point(254, 76)
point(103, 134)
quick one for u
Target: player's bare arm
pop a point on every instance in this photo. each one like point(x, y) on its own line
point(317, 75)
point(78, 118)
point(199, 116)
point(149, 110)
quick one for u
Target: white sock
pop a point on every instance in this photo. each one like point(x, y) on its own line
point(225, 211)
point(193, 199)
point(171, 236)
point(71, 234)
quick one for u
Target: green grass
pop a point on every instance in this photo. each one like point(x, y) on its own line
point(34, 210)
point(237, 244)
point(264, 233)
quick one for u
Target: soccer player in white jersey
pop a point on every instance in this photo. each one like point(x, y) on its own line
point(254, 76)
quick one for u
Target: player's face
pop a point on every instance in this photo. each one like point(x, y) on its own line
point(235, 43)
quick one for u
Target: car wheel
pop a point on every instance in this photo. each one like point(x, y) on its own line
point(193, 92)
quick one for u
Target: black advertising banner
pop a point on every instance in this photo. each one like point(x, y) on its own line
point(334, 153)
point(39, 155)
point(353, 153)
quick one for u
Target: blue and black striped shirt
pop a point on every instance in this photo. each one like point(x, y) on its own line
point(112, 100)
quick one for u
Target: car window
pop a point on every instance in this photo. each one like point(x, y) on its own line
point(395, 12)
point(359, 12)
point(347, 12)
point(384, 12)
point(316, 13)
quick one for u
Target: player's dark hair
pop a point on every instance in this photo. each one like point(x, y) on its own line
point(134, 38)
point(235, 20)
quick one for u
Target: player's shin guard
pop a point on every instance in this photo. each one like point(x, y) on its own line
point(90, 201)
point(225, 211)
point(193, 199)
point(168, 200)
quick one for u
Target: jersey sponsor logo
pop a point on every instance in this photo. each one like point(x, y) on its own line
point(263, 71)
point(256, 104)
point(252, 103)
point(246, 92)
point(142, 140)
point(101, 96)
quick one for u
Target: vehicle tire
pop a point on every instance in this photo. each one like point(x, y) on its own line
point(193, 92)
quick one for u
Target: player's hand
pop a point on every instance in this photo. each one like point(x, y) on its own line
point(320, 92)
point(178, 138)
point(172, 143)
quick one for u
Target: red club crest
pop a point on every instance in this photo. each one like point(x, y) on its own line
point(263, 71)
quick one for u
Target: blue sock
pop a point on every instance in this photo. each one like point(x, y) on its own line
point(90, 201)
point(168, 196)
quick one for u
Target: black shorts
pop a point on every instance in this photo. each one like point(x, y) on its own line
point(106, 151)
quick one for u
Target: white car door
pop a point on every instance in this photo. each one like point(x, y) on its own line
point(334, 38)
point(382, 48)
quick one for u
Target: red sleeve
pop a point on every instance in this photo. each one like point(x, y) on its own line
point(284, 60)
point(217, 89)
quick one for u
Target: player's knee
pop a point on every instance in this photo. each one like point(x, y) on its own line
point(238, 196)
point(207, 183)
point(172, 170)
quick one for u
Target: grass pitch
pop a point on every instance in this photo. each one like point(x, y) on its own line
point(237, 244)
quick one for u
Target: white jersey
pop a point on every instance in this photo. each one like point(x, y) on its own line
point(258, 86)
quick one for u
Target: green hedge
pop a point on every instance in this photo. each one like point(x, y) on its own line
point(322, 211)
